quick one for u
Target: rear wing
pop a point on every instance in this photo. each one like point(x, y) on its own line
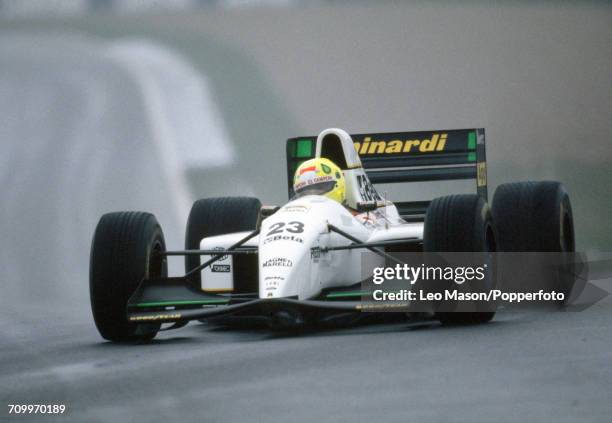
point(406, 157)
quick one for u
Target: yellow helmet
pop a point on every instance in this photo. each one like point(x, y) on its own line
point(319, 177)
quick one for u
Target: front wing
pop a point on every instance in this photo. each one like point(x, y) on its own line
point(173, 300)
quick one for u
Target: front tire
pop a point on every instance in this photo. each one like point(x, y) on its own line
point(125, 250)
point(217, 216)
point(460, 223)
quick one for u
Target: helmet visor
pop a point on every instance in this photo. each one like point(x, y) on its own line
point(320, 188)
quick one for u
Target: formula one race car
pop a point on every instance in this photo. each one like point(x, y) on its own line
point(304, 259)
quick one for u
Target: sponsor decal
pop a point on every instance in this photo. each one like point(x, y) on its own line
point(370, 146)
point(315, 254)
point(313, 181)
point(220, 249)
point(325, 168)
point(278, 262)
point(481, 174)
point(283, 238)
point(274, 278)
point(155, 317)
point(272, 284)
point(366, 189)
point(296, 208)
point(220, 268)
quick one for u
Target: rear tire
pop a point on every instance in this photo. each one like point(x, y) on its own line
point(459, 223)
point(537, 217)
point(217, 216)
point(534, 216)
point(125, 250)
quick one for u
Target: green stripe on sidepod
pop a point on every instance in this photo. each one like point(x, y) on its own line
point(346, 294)
point(174, 303)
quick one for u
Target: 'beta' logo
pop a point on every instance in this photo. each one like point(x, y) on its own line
point(283, 238)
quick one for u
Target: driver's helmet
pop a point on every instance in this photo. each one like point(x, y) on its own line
point(319, 176)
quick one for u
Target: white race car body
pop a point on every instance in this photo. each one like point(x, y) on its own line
point(306, 261)
point(308, 257)
point(292, 259)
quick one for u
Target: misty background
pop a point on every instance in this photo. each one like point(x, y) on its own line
point(150, 111)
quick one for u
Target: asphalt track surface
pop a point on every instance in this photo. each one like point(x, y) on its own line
point(521, 367)
point(59, 173)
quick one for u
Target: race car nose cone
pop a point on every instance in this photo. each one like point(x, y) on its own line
point(286, 319)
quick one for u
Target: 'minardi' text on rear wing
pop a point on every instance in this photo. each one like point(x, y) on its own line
point(407, 157)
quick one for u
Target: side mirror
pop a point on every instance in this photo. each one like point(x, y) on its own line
point(366, 206)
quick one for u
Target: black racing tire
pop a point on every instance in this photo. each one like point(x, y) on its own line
point(125, 250)
point(537, 217)
point(533, 216)
point(217, 216)
point(460, 223)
